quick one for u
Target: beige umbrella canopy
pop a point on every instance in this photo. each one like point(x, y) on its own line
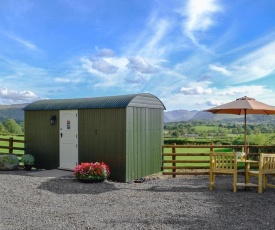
point(243, 106)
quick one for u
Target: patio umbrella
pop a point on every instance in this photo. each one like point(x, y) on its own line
point(243, 106)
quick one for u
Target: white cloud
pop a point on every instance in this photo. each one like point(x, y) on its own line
point(199, 17)
point(217, 97)
point(255, 65)
point(247, 90)
point(214, 102)
point(253, 44)
point(154, 46)
point(100, 67)
point(220, 69)
point(17, 96)
point(68, 80)
point(119, 62)
point(138, 64)
point(199, 14)
point(197, 96)
point(195, 91)
point(23, 42)
point(20, 71)
point(103, 66)
point(100, 78)
point(197, 88)
point(106, 53)
point(117, 71)
point(151, 42)
point(181, 101)
point(229, 94)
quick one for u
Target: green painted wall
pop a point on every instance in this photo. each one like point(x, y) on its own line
point(42, 139)
point(143, 142)
point(102, 138)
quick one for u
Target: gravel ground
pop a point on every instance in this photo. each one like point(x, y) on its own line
point(29, 202)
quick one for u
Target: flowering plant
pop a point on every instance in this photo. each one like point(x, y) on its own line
point(92, 171)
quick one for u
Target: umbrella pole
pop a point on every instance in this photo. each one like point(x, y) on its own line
point(245, 147)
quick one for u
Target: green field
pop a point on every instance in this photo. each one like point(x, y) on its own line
point(192, 158)
point(15, 144)
point(200, 128)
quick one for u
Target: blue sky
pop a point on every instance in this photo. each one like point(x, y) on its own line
point(191, 54)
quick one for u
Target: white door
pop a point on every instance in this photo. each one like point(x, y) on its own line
point(68, 135)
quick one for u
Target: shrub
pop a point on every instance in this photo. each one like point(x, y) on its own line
point(92, 171)
point(27, 159)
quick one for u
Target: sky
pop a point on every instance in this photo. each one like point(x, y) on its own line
point(191, 54)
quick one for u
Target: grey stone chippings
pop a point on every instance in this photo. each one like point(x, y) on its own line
point(185, 202)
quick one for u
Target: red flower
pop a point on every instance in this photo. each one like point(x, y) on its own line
point(92, 170)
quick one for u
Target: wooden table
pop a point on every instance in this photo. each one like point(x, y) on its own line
point(247, 168)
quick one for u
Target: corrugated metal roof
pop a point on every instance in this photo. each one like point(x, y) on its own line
point(133, 100)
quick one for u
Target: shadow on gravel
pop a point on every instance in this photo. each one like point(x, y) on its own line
point(69, 185)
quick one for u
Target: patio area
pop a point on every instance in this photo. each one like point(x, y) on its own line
point(161, 202)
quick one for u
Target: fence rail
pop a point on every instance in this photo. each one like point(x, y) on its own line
point(176, 162)
point(8, 146)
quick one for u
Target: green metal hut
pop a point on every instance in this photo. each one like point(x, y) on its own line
point(125, 132)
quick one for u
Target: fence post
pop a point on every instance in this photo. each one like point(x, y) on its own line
point(174, 158)
point(211, 148)
point(10, 145)
point(247, 151)
point(210, 160)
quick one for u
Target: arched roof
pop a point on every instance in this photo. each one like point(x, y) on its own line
point(145, 100)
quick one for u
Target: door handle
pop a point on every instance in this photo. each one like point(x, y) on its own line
point(61, 134)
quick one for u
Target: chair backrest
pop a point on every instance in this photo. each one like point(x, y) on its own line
point(267, 163)
point(223, 162)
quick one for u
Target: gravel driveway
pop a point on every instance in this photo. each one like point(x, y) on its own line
point(30, 202)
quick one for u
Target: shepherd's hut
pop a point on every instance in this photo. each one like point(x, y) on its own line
point(125, 132)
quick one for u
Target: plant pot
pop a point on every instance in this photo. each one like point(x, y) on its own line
point(28, 167)
point(88, 180)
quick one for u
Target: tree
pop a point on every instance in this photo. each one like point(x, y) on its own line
point(184, 131)
point(175, 133)
point(248, 130)
point(12, 127)
point(3, 130)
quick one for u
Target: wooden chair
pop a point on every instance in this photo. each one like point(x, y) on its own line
point(266, 167)
point(223, 163)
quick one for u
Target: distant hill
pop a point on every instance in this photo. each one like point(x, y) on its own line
point(203, 116)
point(179, 115)
point(185, 115)
point(14, 112)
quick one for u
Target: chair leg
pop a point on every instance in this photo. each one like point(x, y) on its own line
point(211, 182)
point(265, 181)
point(213, 178)
point(260, 183)
point(235, 182)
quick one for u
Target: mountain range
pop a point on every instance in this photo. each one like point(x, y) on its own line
point(185, 115)
point(16, 112)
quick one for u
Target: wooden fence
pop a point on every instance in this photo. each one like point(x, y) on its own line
point(176, 161)
point(9, 146)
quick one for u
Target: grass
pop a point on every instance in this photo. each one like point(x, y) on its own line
point(15, 144)
point(208, 128)
point(191, 158)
